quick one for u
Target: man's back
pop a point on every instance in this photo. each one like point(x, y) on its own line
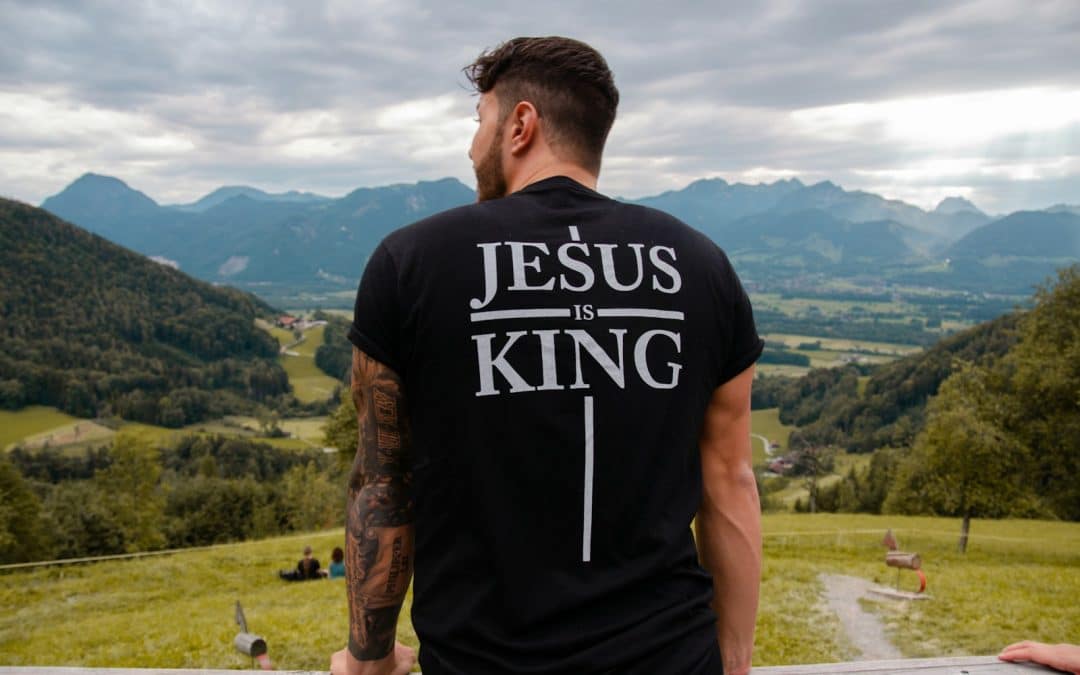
point(558, 350)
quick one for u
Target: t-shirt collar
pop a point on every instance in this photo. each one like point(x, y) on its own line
point(557, 183)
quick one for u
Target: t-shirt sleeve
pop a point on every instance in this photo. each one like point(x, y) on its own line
point(745, 346)
point(377, 315)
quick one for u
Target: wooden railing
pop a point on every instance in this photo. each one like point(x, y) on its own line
point(961, 665)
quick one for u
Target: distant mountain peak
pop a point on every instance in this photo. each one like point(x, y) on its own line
point(1065, 208)
point(102, 185)
point(99, 199)
point(951, 205)
point(825, 186)
point(229, 192)
point(707, 183)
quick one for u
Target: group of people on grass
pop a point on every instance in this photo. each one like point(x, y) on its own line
point(308, 567)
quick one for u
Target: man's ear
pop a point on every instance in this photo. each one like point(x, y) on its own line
point(524, 123)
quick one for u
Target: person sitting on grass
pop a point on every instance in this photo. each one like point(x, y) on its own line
point(306, 568)
point(337, 566)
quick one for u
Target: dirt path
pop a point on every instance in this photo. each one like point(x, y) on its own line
point(764, 444)
point(863, 628)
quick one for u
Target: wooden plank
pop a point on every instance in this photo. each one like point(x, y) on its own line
point(963, 665)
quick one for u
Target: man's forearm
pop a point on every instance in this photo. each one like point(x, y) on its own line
point(378, 568)
point(729, 542)
point(379, 523)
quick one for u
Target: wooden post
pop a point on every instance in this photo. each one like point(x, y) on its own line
point(965, 526)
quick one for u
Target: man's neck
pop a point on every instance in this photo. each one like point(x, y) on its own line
point(549, 169)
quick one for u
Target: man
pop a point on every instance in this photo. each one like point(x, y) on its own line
point(550, 385)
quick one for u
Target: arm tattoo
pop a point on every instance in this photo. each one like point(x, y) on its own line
point(378, 528)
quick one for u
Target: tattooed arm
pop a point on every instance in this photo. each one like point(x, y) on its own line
point(379, 523)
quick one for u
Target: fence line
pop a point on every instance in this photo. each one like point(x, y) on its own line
point(764, 535)
point(911, 530)
point(149, 554)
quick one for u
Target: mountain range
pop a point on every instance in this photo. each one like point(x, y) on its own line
point(253, 239)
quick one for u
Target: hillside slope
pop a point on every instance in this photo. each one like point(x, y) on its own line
point(1024, 234)
point(95, 329)
point(892, 408)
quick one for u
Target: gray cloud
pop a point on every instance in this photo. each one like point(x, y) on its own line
point(178, 98)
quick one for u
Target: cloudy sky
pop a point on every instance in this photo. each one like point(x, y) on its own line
point(912, 99)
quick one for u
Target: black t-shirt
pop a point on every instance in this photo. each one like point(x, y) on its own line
point(558, 351)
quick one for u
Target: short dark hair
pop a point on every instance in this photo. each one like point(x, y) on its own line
point(568, 81)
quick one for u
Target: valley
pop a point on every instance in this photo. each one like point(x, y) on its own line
point(41, 427)
point(197, 374)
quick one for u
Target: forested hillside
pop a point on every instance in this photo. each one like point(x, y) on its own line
point(97, 330)
point(984, 425)
point(334, 355)
point(829, 410)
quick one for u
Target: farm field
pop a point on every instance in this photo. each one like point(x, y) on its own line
point(767, 423)
point(309, 383)
point(781, 369)
point(30, 421)
point(75, 435)
point(793, 306)
point(844, 345)
point(832, 352)
point(1018, 580)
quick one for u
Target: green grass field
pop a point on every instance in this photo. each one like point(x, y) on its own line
point(1018, 580)
point(30, 421)
point(305, 432)
point(308, 382)
point(767, 423)
point(891, 349)
point(781, 369)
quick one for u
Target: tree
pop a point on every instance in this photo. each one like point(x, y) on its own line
point(341, 430)
point(22, 531)
point(964, 464)
point(130, 489)
point(1043, 372)
point(311, 500)
point(811, 462)
point(82, 522)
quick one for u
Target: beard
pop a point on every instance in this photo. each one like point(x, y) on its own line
point(490, 179)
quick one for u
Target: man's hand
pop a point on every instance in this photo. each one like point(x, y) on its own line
point(397, 662)
point(1062, 657)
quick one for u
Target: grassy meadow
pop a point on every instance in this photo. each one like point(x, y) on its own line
point(31, 421)
point(767, 423)
point(1019, 579)
point(832, 352)
point(309, 383)
point(74, 435)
